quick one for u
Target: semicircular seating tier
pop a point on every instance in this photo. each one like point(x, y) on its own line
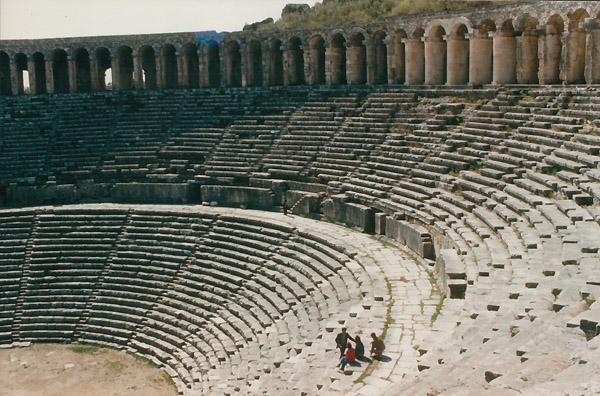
point(225, 301)
point(498, 188)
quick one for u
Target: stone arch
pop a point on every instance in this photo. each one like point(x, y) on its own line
point(254, 64)
point(574, 49)
point(22, 77)
point(168, 59)
point(295, 62)
point(380, 58)
point(527, 52)
point(275, 59)
point(337, 59)
point(213, 63)
point(148, 63)
point(233, 64)
point(398, 57)
point(505, 54)
point(317, 60)
point(60, 71)
point(191, 71)
point(83, 71)
point(458, 55)
point(103, 64)
point(123, 72)
point(357, 59)
point(435, 56)
point(551, 50)
point(415, 57)
point(38, 82)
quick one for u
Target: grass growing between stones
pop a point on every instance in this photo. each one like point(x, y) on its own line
point(440, 304)
point(389, 320)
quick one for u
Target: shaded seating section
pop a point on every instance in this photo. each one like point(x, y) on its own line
point(250, 136)
point(310, 129)
point(65, 262)
point(25, 131)
point(15, 231)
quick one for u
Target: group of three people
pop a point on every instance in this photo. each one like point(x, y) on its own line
point(348, 354)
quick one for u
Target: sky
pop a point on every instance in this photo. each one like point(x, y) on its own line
point(31, 19)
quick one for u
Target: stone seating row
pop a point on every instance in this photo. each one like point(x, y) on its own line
point(209, 293)
point(530, 199)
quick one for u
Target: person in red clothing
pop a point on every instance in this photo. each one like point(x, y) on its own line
point(350, 354)
point(349, 357)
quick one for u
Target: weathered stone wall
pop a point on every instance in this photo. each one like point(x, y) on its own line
point(247, 197)
point(527, 43)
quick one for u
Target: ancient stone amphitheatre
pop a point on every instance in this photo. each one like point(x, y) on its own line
point(441, 170)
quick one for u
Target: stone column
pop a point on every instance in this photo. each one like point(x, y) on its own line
point(158, 62)
point(328, 65)
point(350, 64)
point(391, 55)
point(243, 63)
point(182, 72)
point(480, 58)
point(114, 65)
point(573, 57)
point(415, 61)
point(286, 64)
point(94, 73)
point(549, 54)
point(250, 73)
point(435, 60)
point(371, 60)
point(264, 51)
point(49, 76)
point(138, 73)
point(355, 74)
point(458, 60)
point(505, 63)
point(527, 58)
point(203, 65)
point(398, 58)
point(72, 67)
point(309, 74)
point(33, 77)
point(592, 52)
point(224, 72)
point(16, 78)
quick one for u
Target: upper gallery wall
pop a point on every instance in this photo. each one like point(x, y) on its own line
point(534, 42)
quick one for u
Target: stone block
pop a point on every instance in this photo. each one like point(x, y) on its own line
point(360, 217)
point(250, 197)
point(303, 203)
point(167, 193)
point(414, 236)
point(451, 273)
point(380, 219)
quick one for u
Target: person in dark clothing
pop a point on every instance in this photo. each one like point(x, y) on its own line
point(341, 341)
point(377, 346)
point(285, 206)
point(360, 348)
